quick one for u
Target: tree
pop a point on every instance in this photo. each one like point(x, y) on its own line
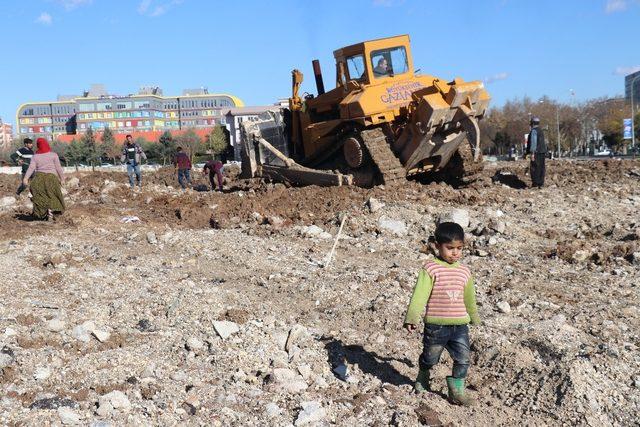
point(108, 146)
point(217, 141)
point(75, 152)
point(92, 155)
point(167, 146)
point(190, 141)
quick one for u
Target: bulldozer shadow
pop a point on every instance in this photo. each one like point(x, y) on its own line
point(369, 362)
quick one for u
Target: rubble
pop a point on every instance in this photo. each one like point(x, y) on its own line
point(240, 324)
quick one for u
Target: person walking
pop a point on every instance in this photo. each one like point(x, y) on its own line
point(537, 149)
point(46, 185)
point(183, 164)
point(22, 157)
point(132, 155)
point(214, 169)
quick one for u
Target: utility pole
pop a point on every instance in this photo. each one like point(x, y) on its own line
point(633, 113)
point(558, 127)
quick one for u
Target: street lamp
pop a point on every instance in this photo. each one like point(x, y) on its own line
point(557, 125)
point(633, 129)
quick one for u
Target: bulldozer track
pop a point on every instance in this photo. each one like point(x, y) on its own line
point(387, 163)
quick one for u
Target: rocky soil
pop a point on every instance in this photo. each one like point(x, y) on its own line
point(164, 307)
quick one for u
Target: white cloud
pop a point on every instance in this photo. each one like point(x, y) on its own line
point(496, 77)
point(615, 6)
point(144, 6)
point(624, 71)
point(44, 19)
point(149, 8)
point(73, 4)
point(387, 3)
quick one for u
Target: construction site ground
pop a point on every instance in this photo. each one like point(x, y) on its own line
point(170, 307)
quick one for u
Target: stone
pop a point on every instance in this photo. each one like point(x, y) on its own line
point(481, 253)
point(116, 400)
point(459, 216)
point(83, 332)
point(272, 410)
point(53, 403)
point(295, 333)
point(374, 205)
point(41, 373)
point(396, 227)
point(151, 238)
point(288, 380)
point(498, 226)
point(7, 201)
point(6, 360)
point(101, 336)
point(225, 329)
point(68, 416)
point(276, 221)
point(341, 371)
point(580, 256)
point(635, 258)
point(72, 182)
point(194, 344)
point(504, 307)
point(10, 332)
point(313, 231)
point(56, 325)
point(312, 412)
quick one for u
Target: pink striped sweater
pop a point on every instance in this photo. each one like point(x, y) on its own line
point(447, 291)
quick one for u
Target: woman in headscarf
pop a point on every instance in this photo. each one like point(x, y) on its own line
point(47, 182)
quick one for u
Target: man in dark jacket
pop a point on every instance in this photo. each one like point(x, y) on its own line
point(537, 149)
point(132, 155)
point(22, 157)
point(183, 164)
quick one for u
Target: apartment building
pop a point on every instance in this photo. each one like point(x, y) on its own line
point(148, 110)
point(6, 136)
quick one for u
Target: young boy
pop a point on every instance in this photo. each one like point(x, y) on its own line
point(446, 288)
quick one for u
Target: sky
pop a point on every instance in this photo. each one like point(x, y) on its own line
point(249, 47)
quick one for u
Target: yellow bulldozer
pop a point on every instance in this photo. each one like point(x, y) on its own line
point(381, 123)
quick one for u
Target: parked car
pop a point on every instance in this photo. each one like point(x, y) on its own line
point(603, 153)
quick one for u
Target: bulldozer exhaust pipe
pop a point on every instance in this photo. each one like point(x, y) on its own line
point(317, 72)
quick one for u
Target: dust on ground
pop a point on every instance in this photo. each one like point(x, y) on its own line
point(217, 308)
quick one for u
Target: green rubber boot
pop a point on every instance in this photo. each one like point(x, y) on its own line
point(422, 381)
point(457, 393)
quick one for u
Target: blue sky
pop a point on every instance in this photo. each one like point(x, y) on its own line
point(248, 48)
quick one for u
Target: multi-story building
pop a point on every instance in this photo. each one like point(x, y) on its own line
point(6, 136)
point(148, 110)
point(628, 80)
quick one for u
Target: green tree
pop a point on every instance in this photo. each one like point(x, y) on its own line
point(167, 146)
point(217, 141)
point(191, 142)
point(91, 151)
point(75, 153)
point(108, 145)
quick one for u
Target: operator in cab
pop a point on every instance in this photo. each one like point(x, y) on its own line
point(382, 69)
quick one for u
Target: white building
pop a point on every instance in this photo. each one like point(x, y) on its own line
point(6, 136)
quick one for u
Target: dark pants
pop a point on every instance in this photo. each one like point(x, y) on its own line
point(184, 177)
point(538, 169)
point(212, 180)
point(453, 338)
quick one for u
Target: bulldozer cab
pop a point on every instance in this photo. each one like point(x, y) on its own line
point(374, 61)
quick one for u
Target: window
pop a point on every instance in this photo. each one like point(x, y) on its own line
point(121, 106)
point(389, 62)
point(355, 67)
